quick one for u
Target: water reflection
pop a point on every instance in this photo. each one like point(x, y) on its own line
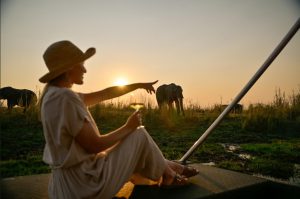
point(245, 156)
point(235, 149)
point(209, 164)
point(295, 179)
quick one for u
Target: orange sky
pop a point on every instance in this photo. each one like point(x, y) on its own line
point(211, 48)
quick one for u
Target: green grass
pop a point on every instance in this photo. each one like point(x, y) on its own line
point(269, 133)
point(287, 151)
point(271, 167)
point(232, 165)
point(23, 166)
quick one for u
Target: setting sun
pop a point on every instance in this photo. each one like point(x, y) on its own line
point(121, 82)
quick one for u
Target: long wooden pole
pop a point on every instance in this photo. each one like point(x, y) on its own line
point(242, 93)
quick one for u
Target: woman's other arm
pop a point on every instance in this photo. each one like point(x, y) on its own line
point(92, 142)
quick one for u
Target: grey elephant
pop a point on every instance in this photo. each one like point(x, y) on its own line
point(237, 109)
point(20, 97)
point(167, 94)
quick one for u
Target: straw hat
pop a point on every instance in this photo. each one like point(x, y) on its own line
point(62, 56)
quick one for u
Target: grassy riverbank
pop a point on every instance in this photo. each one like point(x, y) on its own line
point(267, 135)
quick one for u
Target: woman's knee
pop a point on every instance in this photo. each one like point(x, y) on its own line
point(140, 134)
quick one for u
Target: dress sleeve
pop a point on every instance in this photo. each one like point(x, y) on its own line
point(74, 113)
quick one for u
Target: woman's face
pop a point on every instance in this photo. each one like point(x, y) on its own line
point(75, 75)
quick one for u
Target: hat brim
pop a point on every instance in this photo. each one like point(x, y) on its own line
point(53, 74)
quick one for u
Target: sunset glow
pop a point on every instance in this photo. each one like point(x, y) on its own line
point(121, 82)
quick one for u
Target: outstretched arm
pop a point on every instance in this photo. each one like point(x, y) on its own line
point(116, 91)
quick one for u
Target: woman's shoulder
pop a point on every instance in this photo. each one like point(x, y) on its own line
point(63, 93)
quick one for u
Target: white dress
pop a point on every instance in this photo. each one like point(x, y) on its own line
point(79, 174)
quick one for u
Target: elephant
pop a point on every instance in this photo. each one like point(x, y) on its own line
point(167, 94)
point(237, 109)
point(20, 97)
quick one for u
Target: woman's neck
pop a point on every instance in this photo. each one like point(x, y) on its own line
point(62, 81)
point(63, 84)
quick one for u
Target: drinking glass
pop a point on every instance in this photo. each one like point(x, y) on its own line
point(138, 106)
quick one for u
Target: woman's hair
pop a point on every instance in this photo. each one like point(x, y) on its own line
point(53, 82)
point(45, 89)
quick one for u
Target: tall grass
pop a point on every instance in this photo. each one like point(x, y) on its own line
point(276, 116)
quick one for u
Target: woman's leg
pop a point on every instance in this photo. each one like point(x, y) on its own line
point(137, 153)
